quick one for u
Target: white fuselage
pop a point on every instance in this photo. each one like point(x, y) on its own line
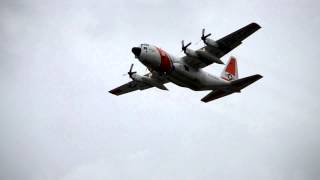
point(176, 71)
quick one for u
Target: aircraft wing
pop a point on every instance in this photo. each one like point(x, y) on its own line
point(129, 87)
point(136, 85)
point(224, 45)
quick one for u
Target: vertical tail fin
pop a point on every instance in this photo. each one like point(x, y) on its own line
point(230, 72)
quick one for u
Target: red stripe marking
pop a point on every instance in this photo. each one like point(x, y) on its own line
point(165, 64)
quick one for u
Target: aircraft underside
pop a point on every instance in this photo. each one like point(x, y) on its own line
point(187, 71)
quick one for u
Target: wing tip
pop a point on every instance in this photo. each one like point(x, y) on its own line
point(203, 100)
point(258, 76)
point(256, 25)
point(115, 91)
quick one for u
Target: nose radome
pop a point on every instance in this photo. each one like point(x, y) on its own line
point(136, 51)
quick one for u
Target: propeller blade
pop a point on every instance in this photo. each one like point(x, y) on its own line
point(185, 46)
point(207, 35)
point(131, 68)
point(182, 46)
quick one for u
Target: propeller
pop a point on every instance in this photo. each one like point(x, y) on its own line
point(204, 37)
point(184, 47)
point(130, 73)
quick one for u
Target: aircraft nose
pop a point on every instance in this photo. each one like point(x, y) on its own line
point(136, 51)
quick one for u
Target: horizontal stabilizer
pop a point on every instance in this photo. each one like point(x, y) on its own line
point(216, 94)
point(244, 82)
point(235, 86)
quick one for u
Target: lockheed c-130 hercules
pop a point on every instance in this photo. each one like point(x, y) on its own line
point(187, 71)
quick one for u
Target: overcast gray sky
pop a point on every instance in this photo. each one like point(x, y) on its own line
point(58, 59)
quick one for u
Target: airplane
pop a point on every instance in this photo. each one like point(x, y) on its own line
point(187, 71)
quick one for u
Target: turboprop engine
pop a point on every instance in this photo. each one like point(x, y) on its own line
point(201, 54)
point(145, 79)
point(207, 41)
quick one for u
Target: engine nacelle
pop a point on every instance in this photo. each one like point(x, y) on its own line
point(148, 80)
point(211, 42)
point(191, 53)
point(207, 56)
point(203, 55)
